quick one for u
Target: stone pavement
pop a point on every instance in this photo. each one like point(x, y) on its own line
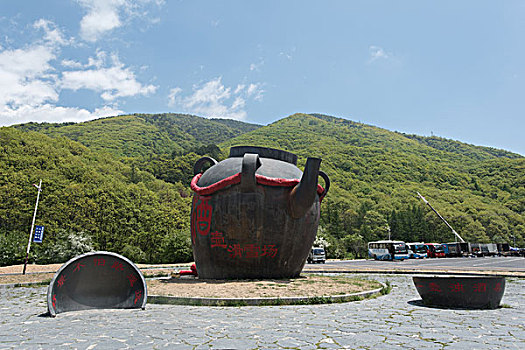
point(397, 320)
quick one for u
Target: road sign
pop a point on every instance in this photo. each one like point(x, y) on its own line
point(39, 234)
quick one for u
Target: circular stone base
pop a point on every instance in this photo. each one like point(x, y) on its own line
point(310, 289)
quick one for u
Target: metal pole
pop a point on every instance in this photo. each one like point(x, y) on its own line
point(32, 226)
point(445, 221)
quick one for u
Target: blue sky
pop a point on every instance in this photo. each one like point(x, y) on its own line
point(454, 69)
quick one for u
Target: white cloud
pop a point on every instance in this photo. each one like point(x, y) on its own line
point(376, 53)
point(214, 100)
point(112, 82)
point(172, 97)
point(27, 77)
point(255, 90)
point(288, 54)
point(29, 89)
point(103, 16)
point(257, 66)
point(30, 83)
point(71, 64)
point(53, 35)
point(51, 113)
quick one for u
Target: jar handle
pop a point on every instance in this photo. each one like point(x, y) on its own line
point(197, 168)
point(250, 164)
point(326, 183)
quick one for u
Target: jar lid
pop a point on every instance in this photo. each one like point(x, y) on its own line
point(264, 152)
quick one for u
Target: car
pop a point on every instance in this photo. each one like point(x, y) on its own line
point(316, 255)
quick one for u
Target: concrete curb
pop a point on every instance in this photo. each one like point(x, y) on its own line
point(26, 284)
point(359, 271)
point(422, 272)
point(325, 299)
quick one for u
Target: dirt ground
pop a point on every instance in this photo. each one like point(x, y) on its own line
point(32, 268)
point(45, 273)
point(307, 285)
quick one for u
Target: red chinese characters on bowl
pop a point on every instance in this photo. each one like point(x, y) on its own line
point(461, 291)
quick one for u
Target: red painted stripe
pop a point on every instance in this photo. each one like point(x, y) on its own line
point(235, 179)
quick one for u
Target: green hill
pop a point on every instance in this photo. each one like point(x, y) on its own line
point(475, 152)
point(128, 176)
point(146, 135)
point(90, 200)
point(376, 173)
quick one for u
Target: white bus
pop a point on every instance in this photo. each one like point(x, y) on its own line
point(388, 250)
point(419, 250)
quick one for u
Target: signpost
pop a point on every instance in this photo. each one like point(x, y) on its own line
point(39, 187)
point(39, 234)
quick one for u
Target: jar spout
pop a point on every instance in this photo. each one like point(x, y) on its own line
point(304, 193)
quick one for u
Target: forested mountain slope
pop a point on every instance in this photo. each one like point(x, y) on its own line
point(146, 135)
point(376, 173)
point(125, 183)
point(475, 152)
point(90, 200)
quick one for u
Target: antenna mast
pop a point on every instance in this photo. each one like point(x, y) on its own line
point(445, 221)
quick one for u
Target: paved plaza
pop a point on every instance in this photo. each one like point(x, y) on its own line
point(507, 265)
point(397, 320)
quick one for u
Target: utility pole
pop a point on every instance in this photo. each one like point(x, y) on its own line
point(39, 187)
point(445, 221)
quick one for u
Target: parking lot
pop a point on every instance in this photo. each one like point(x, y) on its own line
point(512, 265)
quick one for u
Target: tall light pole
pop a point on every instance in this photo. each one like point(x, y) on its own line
point(39, 187)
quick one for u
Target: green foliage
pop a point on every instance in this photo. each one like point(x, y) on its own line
point(148, 135)
point(376, 173)
point(12, 247)
point(84, 191)
point(177, 247)
point(129, 136)
point(475, 152)
point(67, 245)
point(387, 288)
point(125, 183)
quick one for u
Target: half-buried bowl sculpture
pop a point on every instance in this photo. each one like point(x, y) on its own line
point(99, 280)
point(461, 291)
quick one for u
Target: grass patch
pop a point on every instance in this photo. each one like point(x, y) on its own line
point(33, 284)
point(156, 274)
point(387, 288)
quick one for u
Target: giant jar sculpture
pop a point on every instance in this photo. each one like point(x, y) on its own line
point(254, 214)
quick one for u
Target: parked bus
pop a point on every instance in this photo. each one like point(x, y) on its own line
point(476, 249)
point(435, 250)
point(451, 250)
point(419, 250)
point(388, 250)
point(485, 249)
point(492, 249)
point(504, 249)
point(465, 248)
point(456, 249)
